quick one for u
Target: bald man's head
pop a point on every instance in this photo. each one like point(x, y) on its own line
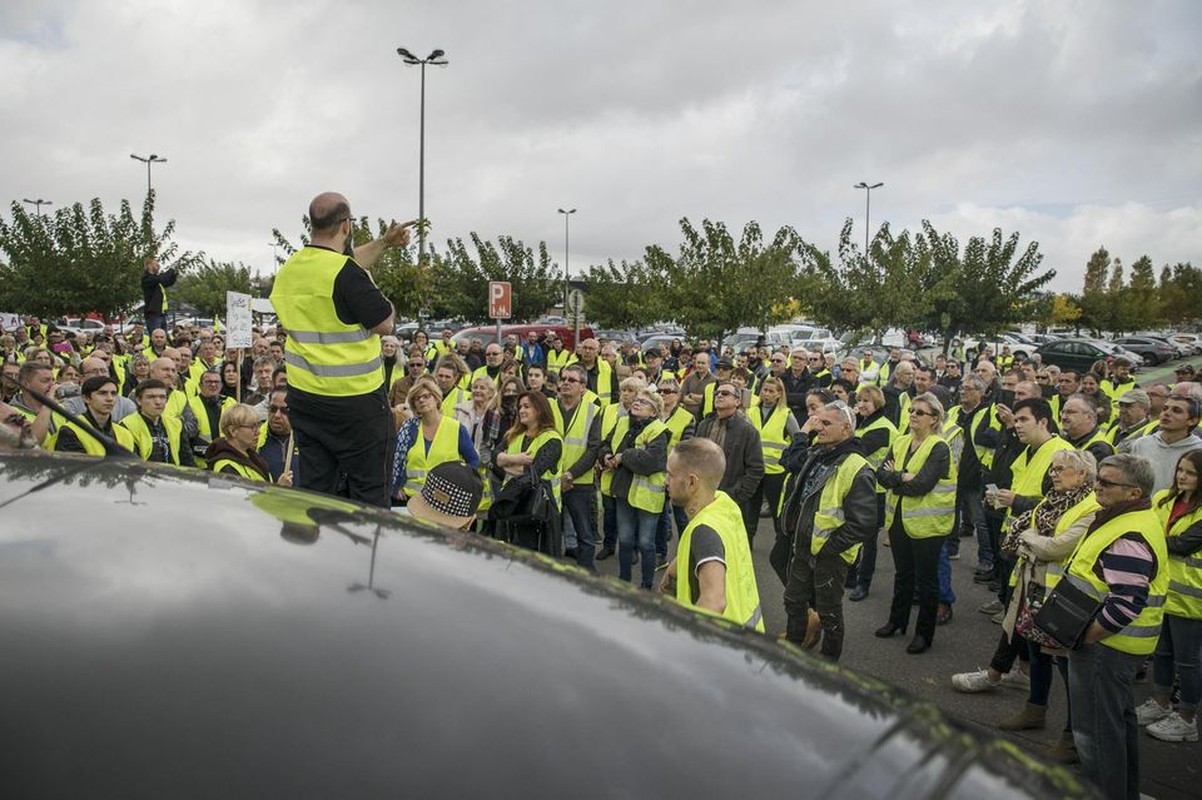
point(327, 211)
point(703, 458)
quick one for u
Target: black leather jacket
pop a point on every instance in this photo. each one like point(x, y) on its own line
point(859, 505)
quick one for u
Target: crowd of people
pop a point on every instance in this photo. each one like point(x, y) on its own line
point(1086, 481)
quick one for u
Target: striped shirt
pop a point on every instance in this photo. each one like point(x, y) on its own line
point(1126, 567)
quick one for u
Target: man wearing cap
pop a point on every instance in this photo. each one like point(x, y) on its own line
point(1134, 418)
point(450, 496)
point(1185, 372)
point(725, 367)
point(1121, 381)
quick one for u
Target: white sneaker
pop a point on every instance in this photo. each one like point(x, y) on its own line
point(1174, 729)
point(1017, 679)
point(1150, 711)
point(974, 682)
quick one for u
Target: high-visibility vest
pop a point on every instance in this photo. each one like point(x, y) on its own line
point(984, 452)
point(177, 400)
point(1185, 572)
point(882, 374)
point(1099, 435)
point(482, 372)
point(1117, 390)
point(903, 411)
point(555, 472)
point(144, 439)
point(773, 439)
point(1004, 362)
point(454, 398)
point(647, 491)
point(742, 595)
point(557, 360)
point(575, 436)
point(829, 515)
point(443, 450)
point(953, 434)
point(605, 383)
point(707, 398)
point(877, 457)
point(1112, 434)
point(1029, 471)
point(1055, 570)
point(611, 415)
point(202, 416)
point(677, 422)
point(91, 445)
point(249, 473)
point(928, 515)
point(1139, 637)
point(325, 355)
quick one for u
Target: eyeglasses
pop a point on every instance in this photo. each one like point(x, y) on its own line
point(252, 425)
point(416, 364)
point(278, 409)
point(668, 391)
point(569, 380)
point(918, 412)
point(1106, 484)
point(724, 393)
point(1056, 469)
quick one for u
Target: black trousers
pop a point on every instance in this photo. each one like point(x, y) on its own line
point(816, 582)
point(344, 439)
point(770, 487)
point(917, 565)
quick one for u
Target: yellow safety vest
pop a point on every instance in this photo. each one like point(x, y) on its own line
point(92, 445)
point(1185, 572)
point(611, 416)
point(1028, 471)
point(742, 595)
point(1087, 505)
point(454, 398)
point(677, 422)
point(443, 450)
point(554, 473)
point(558, 360)
point(202, 416)
point(575, 436)
point(984, 452)
point(325, 355)
point(1115, 391)
point(773, 439)
point(903, 412)
point(929, 515)
point(1112, 434)
point(877, 457)
point(1098, 436)
point(647, 491)
point(1139, 637)
point(829, 515)
point(246, 472)
point(144, 440)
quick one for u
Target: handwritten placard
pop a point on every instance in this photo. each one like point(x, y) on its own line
point(237, 320)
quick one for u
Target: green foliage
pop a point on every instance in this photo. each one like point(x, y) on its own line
point(461, 278)
point(716, 284)
point(205, 286)
point(624, 296)
point(1094, 297)
point(1181, 293)
point(81, 259)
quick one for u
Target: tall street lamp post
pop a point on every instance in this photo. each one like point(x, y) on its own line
point(39, 203)
point(435, 58)
point(567, 216)
point(153, 158)
point(867, 206)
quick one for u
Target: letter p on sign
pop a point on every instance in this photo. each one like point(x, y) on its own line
point(500, 299)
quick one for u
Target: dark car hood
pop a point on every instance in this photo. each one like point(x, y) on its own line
point(171, 633)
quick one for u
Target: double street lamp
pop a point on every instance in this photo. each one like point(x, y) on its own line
point(867, 205)
point(148, 160)
point(567, 216)
point(436, 59)
point(39, 203)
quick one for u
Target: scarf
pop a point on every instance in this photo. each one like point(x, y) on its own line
point(1043, 517)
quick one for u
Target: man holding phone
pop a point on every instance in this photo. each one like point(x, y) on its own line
point(334, 314)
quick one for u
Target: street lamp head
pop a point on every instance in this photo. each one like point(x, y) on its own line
point(876, 185)
point(403, 53)
point(572, 211)
point(436, 54)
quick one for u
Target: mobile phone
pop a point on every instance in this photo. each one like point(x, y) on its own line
point(992, 487)
point(1007, 397)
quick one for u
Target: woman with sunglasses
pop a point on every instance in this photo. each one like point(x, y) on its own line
point(777, 426)
point(920, 510)
point(682, 425)
point(1180, 645)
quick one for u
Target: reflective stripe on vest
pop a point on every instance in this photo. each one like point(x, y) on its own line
point(742, 595)
point(829, 516)
point(877, 457)
point(575, 437)
point(929, 515)
point(326, 356)
point(444, 449)
point(1185, 572)
point(647, 491)
point(773, 439)
point(92, 446)
point(1139, 637)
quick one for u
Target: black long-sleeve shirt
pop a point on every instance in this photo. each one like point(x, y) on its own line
point(152, 290)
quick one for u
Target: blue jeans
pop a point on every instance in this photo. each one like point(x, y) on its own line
point(663, 531)
point(636, 524)
point(946, 595)
point(1178, 648)
point(972, 508)
point(578, 505)
point(1104, 724)
point(609, 522)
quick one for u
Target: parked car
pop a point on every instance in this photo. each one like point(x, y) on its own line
point(655, 340)
point(280, 643)
point(1152, 351)
point(1190, 340)
point(615, 336)
point(1079, 354)
point(488, 333)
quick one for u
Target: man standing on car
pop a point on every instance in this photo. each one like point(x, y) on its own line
point(335, 314)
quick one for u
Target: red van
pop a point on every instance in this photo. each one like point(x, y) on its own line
point(488, 333)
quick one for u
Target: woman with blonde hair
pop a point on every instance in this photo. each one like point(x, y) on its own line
point(777, 427)
point(427, 439)
point(234, 453)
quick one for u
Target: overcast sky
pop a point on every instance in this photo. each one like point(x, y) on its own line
point(1077, 124)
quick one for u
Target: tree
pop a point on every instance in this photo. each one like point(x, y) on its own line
point(1094, 299)
point(1141, 298)
point(716, 284)
point(81, 260)
point(205, 286)
point(1116, 312)
point(624, 296)
point(461, 278)
point(1181, 293)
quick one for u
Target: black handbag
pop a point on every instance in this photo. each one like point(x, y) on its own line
point(1066, 613)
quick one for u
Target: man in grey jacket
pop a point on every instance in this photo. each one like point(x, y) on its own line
point(740, 441)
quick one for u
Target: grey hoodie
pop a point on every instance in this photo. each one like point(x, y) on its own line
point(1163, 456)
